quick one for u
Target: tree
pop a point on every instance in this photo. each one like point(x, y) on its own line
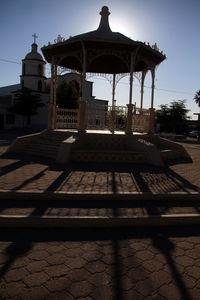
point(67, 94)
point(26, 104)
point(197, 97)
point(173, 117)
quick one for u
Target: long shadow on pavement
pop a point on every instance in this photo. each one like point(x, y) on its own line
point(22, 241)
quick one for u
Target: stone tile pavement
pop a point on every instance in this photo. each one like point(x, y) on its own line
point(32, 173)
point(100, 264)
point(95, 264)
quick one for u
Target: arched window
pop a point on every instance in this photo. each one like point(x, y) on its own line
point(39, 85)
point(24, 69)
point(40, 70)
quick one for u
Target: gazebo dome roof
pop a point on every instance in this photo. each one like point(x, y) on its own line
point(103, 32)
point(34, 55)
point(109, 52)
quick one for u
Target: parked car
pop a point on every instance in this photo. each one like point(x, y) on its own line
point(194, 133)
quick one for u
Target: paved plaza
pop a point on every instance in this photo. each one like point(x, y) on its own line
point(90, 264)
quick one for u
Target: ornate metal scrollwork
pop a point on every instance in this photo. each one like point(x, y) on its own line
point(59, 39)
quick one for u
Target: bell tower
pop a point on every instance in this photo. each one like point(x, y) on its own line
point(33, 69)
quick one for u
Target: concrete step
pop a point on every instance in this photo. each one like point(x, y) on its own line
point(40, 152)
point(171, 154)
point(97, 211)
point(46, 145)
point(102, 155)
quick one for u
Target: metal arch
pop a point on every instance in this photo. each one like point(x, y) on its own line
point(99, 53)
point(109, 77)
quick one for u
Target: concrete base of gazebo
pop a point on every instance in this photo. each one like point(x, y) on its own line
point(69, 145)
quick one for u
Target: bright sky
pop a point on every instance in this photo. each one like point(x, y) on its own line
point(172, 24)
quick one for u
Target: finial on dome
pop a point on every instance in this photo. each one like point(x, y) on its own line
point(104, 11)
point(34, 47)
point(104, 24)
point(35, 37)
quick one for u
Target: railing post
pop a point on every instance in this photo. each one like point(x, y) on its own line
point(129, 119)
point(52, 118)
point(82, 124)
point(112, 125)
point(151, 120)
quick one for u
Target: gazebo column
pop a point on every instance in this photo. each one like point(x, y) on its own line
point(112, 129)
point(142, 90)
point(82, 103)
point(52, 105)
point(152, 110)
point(130, 105)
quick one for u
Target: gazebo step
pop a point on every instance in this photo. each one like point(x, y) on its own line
point(40, 152)
point(45, 144)
point(93, 155)
point(170, 154)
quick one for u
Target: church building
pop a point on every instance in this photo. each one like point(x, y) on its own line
point(34, 77)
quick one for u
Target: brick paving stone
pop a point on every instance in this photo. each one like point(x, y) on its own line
point(36, 279)
point(16, 274)
point(13, 289)
point(20, 262)
point(137, 273)
point(85, 298)
point(55, 259)
point(58, 284)
point(152, 267)
point(193, 271)
point(56, 270)
point(100, 279)
point(36, 266)
point(104, 292)
point(36, 293)
point(185, 261)
point(194, 293)
point(107, 259)
point(81, 289)
point(95, 267)
point(170, 291)
point(55, 249)
point(185, 245)
point(38, 255)
point(144, 255)
point(73, 252)
point(78, 274)
point(193, 253)
point(75, 263)
point(132, 294)
point(92, 255)
point(144, 287)
point(63, 295)
point(160, 277)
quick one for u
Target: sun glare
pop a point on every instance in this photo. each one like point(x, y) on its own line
point(122, 26)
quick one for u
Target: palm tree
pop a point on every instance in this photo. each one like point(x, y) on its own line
point(197, 97)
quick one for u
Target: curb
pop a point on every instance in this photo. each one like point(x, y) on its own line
point(32, 195)
point(17, 221)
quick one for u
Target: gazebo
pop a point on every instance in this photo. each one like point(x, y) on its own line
point(106, 52)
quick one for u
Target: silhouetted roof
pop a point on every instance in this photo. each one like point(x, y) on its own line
point(103, 38)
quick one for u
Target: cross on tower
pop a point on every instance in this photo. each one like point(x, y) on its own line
point(35, 37)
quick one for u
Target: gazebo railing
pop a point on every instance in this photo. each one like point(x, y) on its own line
point(120, 117)
point(97, 117)
point(101, 117)
point(141, 119)
point(67, 118)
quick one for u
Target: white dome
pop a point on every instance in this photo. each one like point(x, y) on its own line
point(34, 54)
